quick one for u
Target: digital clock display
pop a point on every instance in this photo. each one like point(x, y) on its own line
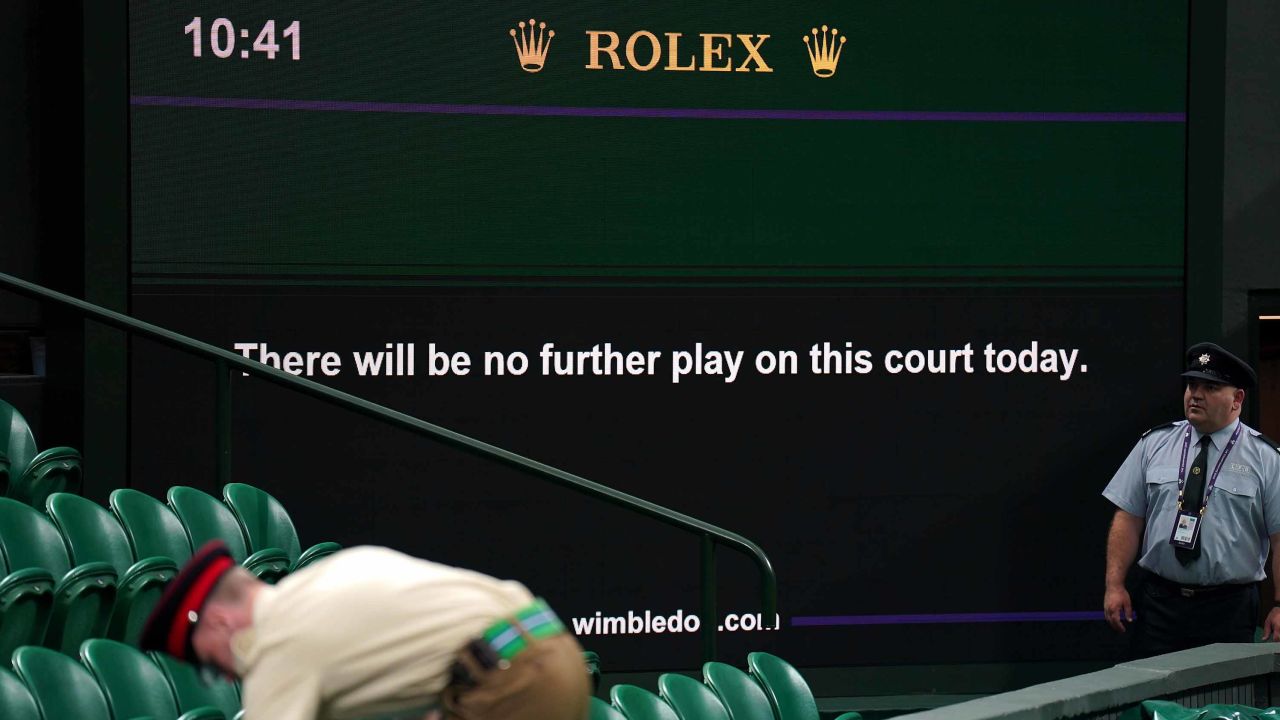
point(222, 38)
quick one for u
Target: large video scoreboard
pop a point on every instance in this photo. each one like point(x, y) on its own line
point(888, 288)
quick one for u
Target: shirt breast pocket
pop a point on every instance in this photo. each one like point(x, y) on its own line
point(1162, 489)
point(1236, 487)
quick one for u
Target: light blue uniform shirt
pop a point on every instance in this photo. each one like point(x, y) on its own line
point(1243, 511)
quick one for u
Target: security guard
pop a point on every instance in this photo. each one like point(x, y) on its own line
point(1198, 505)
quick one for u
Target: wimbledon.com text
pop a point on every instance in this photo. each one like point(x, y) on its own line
point(650, 623)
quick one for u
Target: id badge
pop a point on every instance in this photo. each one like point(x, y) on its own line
point(1186, 530)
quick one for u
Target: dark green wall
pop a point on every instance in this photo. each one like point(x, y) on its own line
point(1251, 192)
point(19, 154)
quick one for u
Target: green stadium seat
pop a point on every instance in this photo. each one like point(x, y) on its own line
point(151, 526)
point(17, 443)
point(93, 534)
point(207, 518)
point(63, 689)
point(788, 693)
point(266, 524)
point(739, 692)
point(16, 702)
point(133, 685)
point(639, 704)
point(691, 699)
point(192, 692)
point(26, 597)
point(83, 595)
point(592, 661)
point(4, 474)
point(601, 710)
point(52, 470)
point(30, 475)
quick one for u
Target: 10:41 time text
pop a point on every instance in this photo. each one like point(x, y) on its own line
point(222, 38)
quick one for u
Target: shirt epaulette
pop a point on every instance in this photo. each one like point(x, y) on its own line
point(1159, 427)
point(1270, 443)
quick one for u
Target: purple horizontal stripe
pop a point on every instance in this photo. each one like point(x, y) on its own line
point(638, 112)
point(945, 618)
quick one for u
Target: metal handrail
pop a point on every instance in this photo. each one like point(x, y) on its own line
point(225, 361)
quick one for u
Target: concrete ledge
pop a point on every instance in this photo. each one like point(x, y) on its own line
point(1119, 687)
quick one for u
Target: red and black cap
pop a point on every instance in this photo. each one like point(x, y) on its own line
point(173, 621)
point(1207, 361)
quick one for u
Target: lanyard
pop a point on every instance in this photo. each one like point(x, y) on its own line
point(1213, 479)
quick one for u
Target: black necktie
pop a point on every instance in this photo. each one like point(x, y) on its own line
point(1193, 495)
point(1193, 492)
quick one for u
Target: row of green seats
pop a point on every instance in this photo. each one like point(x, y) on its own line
point(110, 681)
point(80, 571)
point(27, 474)
point(773, 690)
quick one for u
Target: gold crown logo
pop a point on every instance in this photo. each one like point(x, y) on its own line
point(824, 51)
point(532, 44)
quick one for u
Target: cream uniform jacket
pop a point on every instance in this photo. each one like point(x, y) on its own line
point(366, 631)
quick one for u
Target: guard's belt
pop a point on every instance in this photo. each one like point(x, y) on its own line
point(1191, 591)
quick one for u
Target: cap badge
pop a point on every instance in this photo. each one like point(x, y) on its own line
point(1204, 359)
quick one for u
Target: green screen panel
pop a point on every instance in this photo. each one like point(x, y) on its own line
point(1006, 174)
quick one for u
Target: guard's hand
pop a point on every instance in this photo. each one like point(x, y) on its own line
point(1271, 626)
point(1118, 609)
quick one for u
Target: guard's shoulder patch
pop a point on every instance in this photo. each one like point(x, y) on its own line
point(1160, 427)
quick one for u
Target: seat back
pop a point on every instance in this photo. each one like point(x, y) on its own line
point(133, 686)
point(26, 597)
point(16, 702)
point(263, 519)
point(691, 699)
point(193, 692)
point(83, 596)
point(61, 686)
point(601, 710)
point(91, 532)
point(640, 704)
point(788, 692)
point(17, 442)
point(206, 518)
point(29, 540)
point(738, 691)
point(82, 603)
point(151, 526)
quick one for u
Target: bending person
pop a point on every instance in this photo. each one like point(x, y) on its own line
point(370, 631)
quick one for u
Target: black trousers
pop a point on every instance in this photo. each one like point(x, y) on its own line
point(1169, 619)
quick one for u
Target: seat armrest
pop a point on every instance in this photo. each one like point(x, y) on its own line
point(316, 552)
point(39, 580)
point(269, 564)
point(56, 469)
point(95, 573)
point(162, 568)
